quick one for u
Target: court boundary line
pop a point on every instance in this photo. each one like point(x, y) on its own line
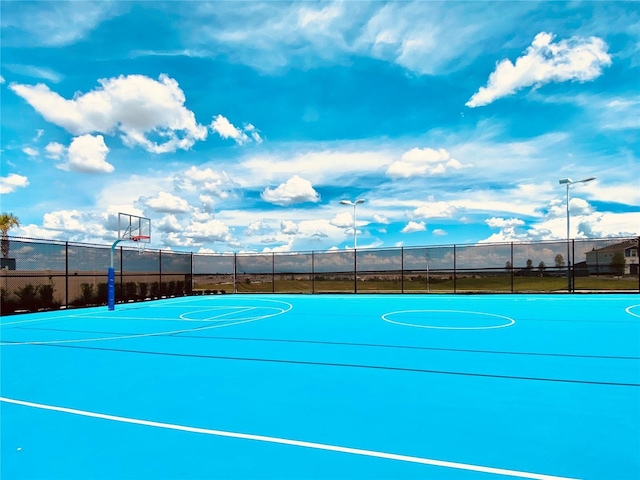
point(290, 442)
point(152, 334)
point(354, 365)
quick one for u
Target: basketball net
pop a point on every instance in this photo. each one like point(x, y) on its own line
point(140, 244)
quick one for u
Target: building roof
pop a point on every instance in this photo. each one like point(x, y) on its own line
point(616, 247)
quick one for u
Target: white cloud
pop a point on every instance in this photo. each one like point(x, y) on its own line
point(210, 231)
point(380, 219)
point(342, 220)
point(12, 181)
point(167, 203)
point(53, 23)
point(34, 71)
point(2, 80)
point(72, 221)
point(55, 150)
point(289, 228)
point(497, 222)
point(32, 152)
point(294, 190)
point(435, 210)
point(133, 105)
point(208, 203)
point(423, 161)
point(412, 227)
point(439, 232)
point(253, 132)
point(205, 180)
point(87, 154)
point(226, 129)
point(318, 166)
point(259, 227)
point(576, 59)
point(169, 224)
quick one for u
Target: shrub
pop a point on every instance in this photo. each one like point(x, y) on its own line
point(154, 290)
point(103, 293)
point(87, 295)
point(27, 297)
point(45, 292)
point(130, 291)
point(8, 303)
point(144, 290)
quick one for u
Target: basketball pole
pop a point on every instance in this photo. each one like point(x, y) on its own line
point(111, 279)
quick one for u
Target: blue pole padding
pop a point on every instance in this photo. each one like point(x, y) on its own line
point(111, 289)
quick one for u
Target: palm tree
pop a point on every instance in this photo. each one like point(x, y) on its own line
point(7, 221)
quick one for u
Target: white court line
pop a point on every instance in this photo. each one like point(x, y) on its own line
point(152, 334)
point(237, 310)
point(511, 321)
point(296, 443)
point(628, 310)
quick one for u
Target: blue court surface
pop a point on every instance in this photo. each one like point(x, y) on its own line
point(325, 387)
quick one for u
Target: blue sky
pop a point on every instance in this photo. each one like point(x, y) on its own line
point(239, 126)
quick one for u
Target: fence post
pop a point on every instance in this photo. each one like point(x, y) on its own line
point(572, 282)
point(313, 272)
point(121, 288)
point(455, 277)
point(273, 272)
point(191, 274)
point(355, 270)
point(160, 271)
point(511, 269)
point(235, 273)
point(66, 274)
point(402, 269)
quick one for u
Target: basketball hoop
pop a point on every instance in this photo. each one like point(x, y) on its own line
point(141, 242)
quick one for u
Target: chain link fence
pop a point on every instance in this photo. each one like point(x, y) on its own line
point(49, 274)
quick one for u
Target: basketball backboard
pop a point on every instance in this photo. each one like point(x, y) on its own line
point(133, 227)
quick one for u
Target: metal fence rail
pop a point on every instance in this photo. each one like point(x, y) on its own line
point(47, 274)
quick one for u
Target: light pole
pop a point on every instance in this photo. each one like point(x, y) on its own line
point(568, 182)
point(354, 204)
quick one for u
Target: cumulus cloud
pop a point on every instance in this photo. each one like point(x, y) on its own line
point(209, 231)
point(55, 150)
point(289, 228)
point(12, 181)
point(435, 210)
point(207, 202)
point(226, 129)
point(87, 154)
point(439, 232)
point(342, 220)
point(380, 219)
point(223, 127)
point(294, 190)
point(576, 59)
point(136, 106)
point(169, 224)
point(498, 222)
point(72, 221)
point(259, 227)
point(423, 161)
point(412, 227)
point(207, 181)
point(166, 203)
